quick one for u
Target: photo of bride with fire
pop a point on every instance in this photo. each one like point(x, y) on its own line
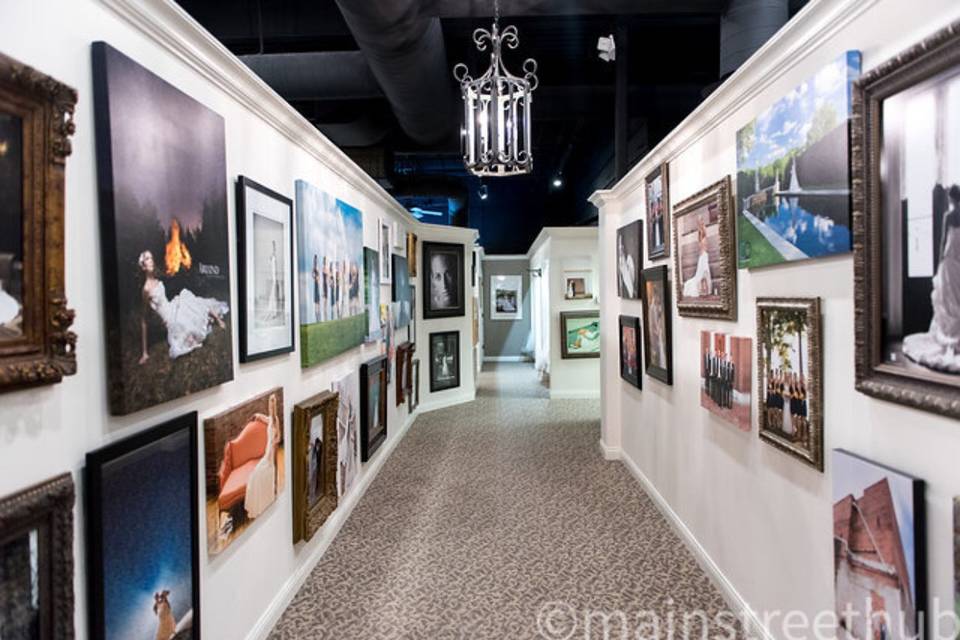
point(162, 173)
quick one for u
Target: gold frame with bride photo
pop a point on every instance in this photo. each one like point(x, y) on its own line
point(907, 227)
point(704, 256)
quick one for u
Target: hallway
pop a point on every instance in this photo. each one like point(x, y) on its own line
point(489, 514)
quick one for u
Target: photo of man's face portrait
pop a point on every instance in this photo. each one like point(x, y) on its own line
point(443, 281)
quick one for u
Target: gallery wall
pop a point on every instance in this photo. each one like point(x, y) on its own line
point(760, 521)
point(48, 430)
point(506, 339)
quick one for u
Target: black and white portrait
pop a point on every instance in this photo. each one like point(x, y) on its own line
point(629, 260)
point(444, 360)
point(443, 271)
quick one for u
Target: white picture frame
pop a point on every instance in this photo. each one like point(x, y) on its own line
point(506, 297)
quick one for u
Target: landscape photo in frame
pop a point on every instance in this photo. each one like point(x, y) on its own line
point(162, 176)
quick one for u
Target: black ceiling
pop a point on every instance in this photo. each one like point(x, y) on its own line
point(674, 56)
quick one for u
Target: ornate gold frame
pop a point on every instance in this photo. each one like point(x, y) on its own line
point(813, 454)
point(307, 520)
point(45, 351)
point(726, 309)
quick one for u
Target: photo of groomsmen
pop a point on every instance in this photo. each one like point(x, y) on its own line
point(725, 377)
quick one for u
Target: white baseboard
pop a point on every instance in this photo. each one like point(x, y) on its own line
point(444, 402)
point(574, 395)
point(609, 453)
point(326, 535)
point(752, 625)
point(505, 359)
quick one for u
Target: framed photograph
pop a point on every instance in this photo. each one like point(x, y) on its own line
point(412, 327)
point(580, 334)
point(385, 251)
point(142, 534)
point(445, 295)
point(657, 191)
point(906, 137)
point(373, 406)
point(413, 400)
point(879, 550)
point(401, 291)
point(790, 376)
point(630, 350)
point(265, 266)
point(704, 264)
point(36, 556)
point(244, 466)
point(347, 389)
point(412, 254)
point(629, 259)
point(36, 122)
point(444, 360)
point(506, 297)
point(657, 324)
point(315, 459)
point(371, 294)
point(403, 384)
point(330, 257)
point(161, 172)
point(726, 377)
point(793, 175)
point(577, 285)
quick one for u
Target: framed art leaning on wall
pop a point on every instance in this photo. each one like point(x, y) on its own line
point(906, 165)
point(36, 122)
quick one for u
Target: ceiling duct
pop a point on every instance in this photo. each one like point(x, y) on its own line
point(328, 75)
point(406, 54)
point(745, 26)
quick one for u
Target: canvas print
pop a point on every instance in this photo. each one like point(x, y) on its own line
point(161, 170)
point(444, 360)
point(629, 259)
point(385, 251)
point(373, 406)
point(330, 256)
point(576, 285)
point(314, 463)
point(506, 297)
point(142, 535)
point(907, 244)
point(879, 550)
point(401, 291)
point(704, 258)
point(371, 294)
point(265, 265)
point(790, 366)
point(348, 426)
point(630, 350)
point(658, 324)
point(244, 461)
point(580, 334)
point(445, 295)
point(726, 376)
point(793, 177)
point(658, 212)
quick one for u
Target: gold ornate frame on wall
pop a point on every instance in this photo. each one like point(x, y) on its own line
point(726, 308)
point(875, 377)
point(44, 353)
point(412, 254)
point(812, 453)
point(306, 519)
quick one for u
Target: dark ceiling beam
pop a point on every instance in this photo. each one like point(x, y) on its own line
point(326, 75)
point(484, 8)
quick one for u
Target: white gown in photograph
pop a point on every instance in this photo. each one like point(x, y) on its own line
point(627, 272)
point(691, 288)
point(186, 317)
point(9, 307)
point(262, 485)
point(273, 304)
point(787, 417)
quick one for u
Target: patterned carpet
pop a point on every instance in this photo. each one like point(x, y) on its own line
point(500, 519)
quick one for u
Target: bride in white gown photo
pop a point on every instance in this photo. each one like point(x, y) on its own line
point(262, 484)
point(701, 284)
point(188, 318)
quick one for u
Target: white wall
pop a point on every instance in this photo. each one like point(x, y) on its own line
point(763, 519)
point(48, 430)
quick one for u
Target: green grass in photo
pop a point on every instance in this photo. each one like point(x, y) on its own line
point(323, 340)
point(754, 249)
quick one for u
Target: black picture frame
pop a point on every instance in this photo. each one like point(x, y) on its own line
point(94, 498)
point(631, 322)
point(431, 308)
point(372, 436)
point(450, 340)
point(565, 318)
point(659, 275)
point(243, 248)
point(47, 509)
